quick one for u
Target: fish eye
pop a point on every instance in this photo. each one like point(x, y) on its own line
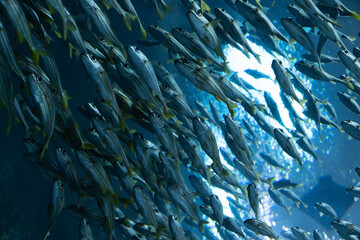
point(122, 164)
point(156, 26)
point(92, 130)
point(280, 62)
point(37, 33)
point(158, 115)
point(39, 79)
point(187, 138)
point(102, 118)
point(346, 51)
point(175, 218)
point(202, 120)
point(184, 60)
point(223, 10)
point(245, 1)
point(180, 29)
point(198, 12)
point(53, 91)
point(101, 39)
point(141, 136)
point(176, 186)
point(126, 65)
point(141, 188)
point(139, 235)
point(137, 49)
point(61, 185)
point(159, 64)
point(102, 101)
point(62, 150)
point(302, 62)
point(93, 58)
point(211, 71)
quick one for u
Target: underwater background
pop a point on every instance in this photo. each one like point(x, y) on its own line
point(24, 191)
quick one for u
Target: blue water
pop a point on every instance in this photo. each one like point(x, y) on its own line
point(24, 192)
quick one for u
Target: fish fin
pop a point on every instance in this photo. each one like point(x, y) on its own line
point(321, 214)
point(88, 146)
point(288, 210)
point(297, 204)
point(125, 201)
point(292, 43)
point(35, 55)
point(201, 224)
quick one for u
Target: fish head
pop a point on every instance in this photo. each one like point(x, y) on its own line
point(200, 125)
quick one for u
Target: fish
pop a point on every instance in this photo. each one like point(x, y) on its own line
point(350, 62)
point(186, 203)
point(205, 31)
point(197, 47)
point(194, 153)
point(257, 18)
point(231, 26)
point(326, 209)
point(201, 187)
point(312, 10)
point(203, 81)
point(68, 170)
point(300, 233)
point(217, 207)
point(260, 227)
point(100, 20)
point(85, 230)
point(56, 204)
point(231, 225)
point(349, 102)
point(271, 103)
point(40, 93)
point(284, 80)
point(315, 73)
point(298, 34)
point(276, 197)
point(317, 235)
point(165, 77)
point(287, 145)
point(339, 5)
point(176, 229)
point(269, 159)
point(292, 196)
point(256, 74)
point(253, 195)
point(169, 41)
point(147, 207)
point(101, 84)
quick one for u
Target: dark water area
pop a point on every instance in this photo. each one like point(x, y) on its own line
point(25, 192)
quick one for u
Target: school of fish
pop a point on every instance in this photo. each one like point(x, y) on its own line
point(142, 161)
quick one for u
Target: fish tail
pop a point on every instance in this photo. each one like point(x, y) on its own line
point(159, 13)
point(166, 8)
point(127, 18)
point(143, 31)
point(204, 6)
point(348, 84)
point(355, 15)
point(44, 149)
point(259, 4)
point(231, 107)
point(257, 56)
point(201, 224)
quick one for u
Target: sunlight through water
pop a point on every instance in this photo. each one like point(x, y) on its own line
point(238, 63)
